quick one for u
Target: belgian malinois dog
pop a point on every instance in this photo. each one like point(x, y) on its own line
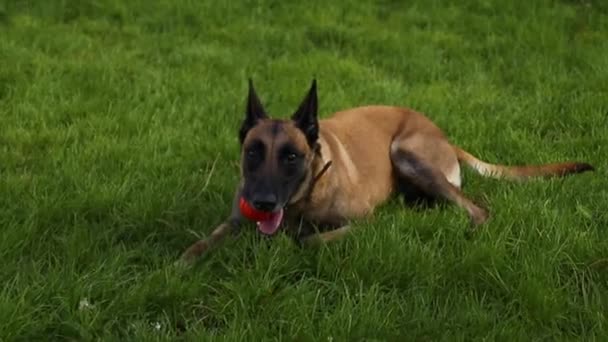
point(313, 176)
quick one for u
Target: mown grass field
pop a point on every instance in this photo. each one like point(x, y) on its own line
point(118, 148)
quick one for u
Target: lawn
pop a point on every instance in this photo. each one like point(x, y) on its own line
point(118, 149)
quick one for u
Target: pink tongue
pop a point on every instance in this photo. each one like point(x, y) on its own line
point(271, 225)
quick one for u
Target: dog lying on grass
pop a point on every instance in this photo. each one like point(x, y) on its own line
point(317, 175)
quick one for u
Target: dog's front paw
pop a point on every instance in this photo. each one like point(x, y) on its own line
point(192, 254)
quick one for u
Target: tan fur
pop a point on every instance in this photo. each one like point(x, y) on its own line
point(520, 172)
point(358, 142)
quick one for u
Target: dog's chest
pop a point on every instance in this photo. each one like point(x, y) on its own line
point(331, 207)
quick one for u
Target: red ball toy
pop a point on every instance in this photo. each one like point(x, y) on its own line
point(251, 213)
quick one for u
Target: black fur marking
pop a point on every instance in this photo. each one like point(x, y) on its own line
point(305, 117)
point(253, 113)
point(254, 155)
point(289, 148)
point(416, 181)
point(413, 196)
point(275, 128)
point(582, 167)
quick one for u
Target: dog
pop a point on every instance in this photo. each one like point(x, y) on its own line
point(314, 176)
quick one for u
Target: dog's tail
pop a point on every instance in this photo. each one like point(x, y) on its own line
point(522, 172)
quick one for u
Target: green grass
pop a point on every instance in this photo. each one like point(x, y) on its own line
point(118, 148)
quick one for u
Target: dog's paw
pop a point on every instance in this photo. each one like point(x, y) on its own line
point(192, 254)
point(479, 216)
point(182, 264)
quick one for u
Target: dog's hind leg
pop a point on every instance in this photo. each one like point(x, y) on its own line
point(426, 162)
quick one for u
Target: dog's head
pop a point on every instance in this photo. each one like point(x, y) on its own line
point(276, 155)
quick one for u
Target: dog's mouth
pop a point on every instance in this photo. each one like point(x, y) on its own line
point(271, 224)
point(268, 221)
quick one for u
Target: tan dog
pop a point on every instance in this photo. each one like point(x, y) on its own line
point(318, 175)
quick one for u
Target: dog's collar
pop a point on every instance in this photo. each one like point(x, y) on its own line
point(308, 194)
point(311, 184)
point(318, 176)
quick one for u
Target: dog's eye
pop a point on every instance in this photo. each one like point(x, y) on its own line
point(291, 158)
point(255, 151)
point(252, 154)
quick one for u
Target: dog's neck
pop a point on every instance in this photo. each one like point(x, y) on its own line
point(319, 165)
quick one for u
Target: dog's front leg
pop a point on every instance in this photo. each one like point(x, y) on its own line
point(317, 239)
point(232, 224)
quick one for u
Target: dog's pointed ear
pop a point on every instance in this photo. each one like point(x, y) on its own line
point(306, 117)
point(253, 113)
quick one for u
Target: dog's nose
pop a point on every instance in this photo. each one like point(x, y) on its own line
point(265, 202)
